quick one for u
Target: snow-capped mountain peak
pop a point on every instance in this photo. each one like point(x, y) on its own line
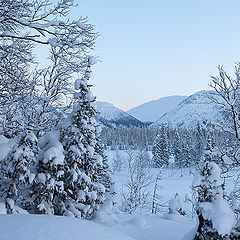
point(153, 110)
point(196, 108)
point(111, 116)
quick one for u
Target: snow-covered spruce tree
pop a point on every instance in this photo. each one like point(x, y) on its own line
point(47, 190)
point(199, 142)
point(177, 149)
point(216, 218)
point(186, 156)
point(84, 176)
point(16, 172)
point(105, 175)
point(160, 149)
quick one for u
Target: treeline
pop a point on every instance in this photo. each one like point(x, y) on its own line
point(186, 146)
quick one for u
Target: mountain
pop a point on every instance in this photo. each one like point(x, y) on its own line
point(111, 116)
point(197, 107)
point(153, 110)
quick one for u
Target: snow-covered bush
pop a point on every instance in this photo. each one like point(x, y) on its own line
point(176, 206)
point(176, 210)
point(17, 172)
point(216, 218)
point(48, 189)
point(105, 175)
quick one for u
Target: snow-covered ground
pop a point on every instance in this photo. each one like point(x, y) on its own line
point(116, 224)
point(43, 227)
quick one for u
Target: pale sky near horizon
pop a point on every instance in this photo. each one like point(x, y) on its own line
point(155, 48)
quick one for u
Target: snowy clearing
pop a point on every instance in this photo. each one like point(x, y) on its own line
point(42, 227)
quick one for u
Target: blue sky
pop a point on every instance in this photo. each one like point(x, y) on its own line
point(154, 48)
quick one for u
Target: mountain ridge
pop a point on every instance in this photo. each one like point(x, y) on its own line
point(111, 116)
point(151, 111)
point(198, 107)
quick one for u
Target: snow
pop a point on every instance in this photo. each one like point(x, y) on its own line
point(197, 179)
point(196, 108)
point(49, 140)
point(52, 149)
point(43, 227)
point(112, 223)
point(3, 139)
point(5, 146)
point(152, 227)
point(4, 150)
point(3, 210)
point(113, 115)
point(227, 160)
point(92, 60)
point(220, 214)
point(41, 177)
point(108, 110)
point(215, 172)
point(80, 24)
point(153, 110)
point(54, 156)
point(54, 42)
point(77, 83)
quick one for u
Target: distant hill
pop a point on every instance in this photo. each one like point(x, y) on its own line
point(111, 116)
point(197, 107)
point(153, 110)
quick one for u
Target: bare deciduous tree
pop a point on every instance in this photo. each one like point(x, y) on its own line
point(34, 98)
point(139, 179)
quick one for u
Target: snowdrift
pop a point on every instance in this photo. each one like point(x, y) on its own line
point(43, 227)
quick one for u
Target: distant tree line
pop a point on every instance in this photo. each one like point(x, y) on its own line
point(186, 146)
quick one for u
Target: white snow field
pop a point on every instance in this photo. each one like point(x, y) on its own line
point(116, 224)
point(43, 227)
point(140, 227)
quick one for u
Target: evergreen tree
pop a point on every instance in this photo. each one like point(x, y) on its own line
point(210, 200)
point(177, 150)
point(105, 175)
point(84, 163)
point(186, 156)
point(160, 149)
point(199, 143)
point(16, 171)
point(48, 189)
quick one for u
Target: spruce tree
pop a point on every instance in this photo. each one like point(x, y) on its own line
point(186, 157)
point(83, 183)
point(212, 209)
point(160, 149)
point(177, 150)
point(16, 171)
point(199, 144)
point(105, 175)
point(47, 191)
